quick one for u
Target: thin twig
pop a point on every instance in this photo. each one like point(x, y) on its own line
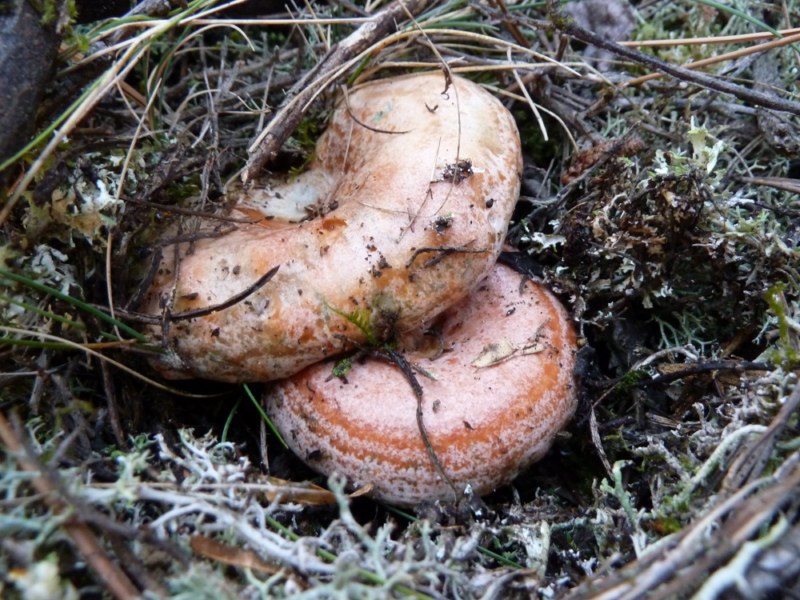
point(751, 463)
point(786, 184)
point(441, 252)
point(712, 536)
point(706, 367)
point(116, 582)
point(518, 36)
point(400, 361)
point(681, 372)
point(235, 299)
point(190, 213)
point(111, 403)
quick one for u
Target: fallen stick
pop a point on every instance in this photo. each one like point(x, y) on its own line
point(755, 97)
point(115, 580)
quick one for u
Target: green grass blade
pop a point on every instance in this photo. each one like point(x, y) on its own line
point(43, 313)
point(47, 133)
point(226, 428)
point(264, 416)
point(88, 308)
point(7, 341)
point(731, 10)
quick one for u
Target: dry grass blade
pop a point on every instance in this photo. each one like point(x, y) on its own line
point(308, 494)
point(781, 183)
point(90, 350)
point(715, 39)
point(230, 555)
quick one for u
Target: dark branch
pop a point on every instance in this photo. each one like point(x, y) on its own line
point(755, 97)
point(202, 312)
point(441, 252)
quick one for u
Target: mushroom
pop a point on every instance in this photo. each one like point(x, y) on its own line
point(498, 389)
point(413, 182)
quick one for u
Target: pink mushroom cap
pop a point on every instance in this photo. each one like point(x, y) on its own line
point(503, 388)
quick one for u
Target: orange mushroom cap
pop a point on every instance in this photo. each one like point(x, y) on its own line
point(417, 179)
point(503, 388)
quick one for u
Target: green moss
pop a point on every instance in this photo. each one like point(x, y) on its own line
point(784, 352)
point(629, 380)
point(342, 368)
point(666, 525)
